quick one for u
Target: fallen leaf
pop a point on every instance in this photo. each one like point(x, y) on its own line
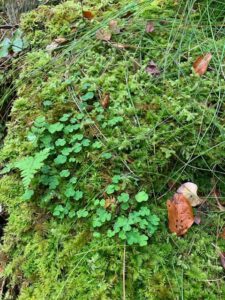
point(189, 190)
point(222, 259)
point(113, 26)
point(180, 214)
point(60, 40)
point(197, 219)
point(103, 35)
point(149, 27)
point(222, 235)
point(50, 48)
point(109, 202)
point(152, 68)
point(201, 64)
point(105, 101)
point(88, 14)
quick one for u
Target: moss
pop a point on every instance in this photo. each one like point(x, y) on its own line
point(172, 129)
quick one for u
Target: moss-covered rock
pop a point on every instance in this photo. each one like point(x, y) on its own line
point(155, 130)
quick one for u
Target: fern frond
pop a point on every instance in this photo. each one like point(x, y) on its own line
point(29, 166)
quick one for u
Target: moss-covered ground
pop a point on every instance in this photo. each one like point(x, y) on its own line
point(156, 133)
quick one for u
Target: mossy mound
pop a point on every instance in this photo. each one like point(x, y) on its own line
point(61, 240)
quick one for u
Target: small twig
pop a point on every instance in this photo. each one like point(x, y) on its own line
point(124, 272)
point(8, 26)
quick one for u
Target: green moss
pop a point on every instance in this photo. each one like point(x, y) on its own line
point(156, 129)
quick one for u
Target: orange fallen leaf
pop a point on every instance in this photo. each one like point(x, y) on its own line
point(103, 35)
point(180, 214)
point(201, 64)
point(105, 101)
point(88, 14)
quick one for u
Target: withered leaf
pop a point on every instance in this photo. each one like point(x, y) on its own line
point(51, 47)
point(103, 35)
point(149, 27)
point(201, 64)
point(109, 202)
point(197, 219)
point(113, 26)
point(105, 101)
point(152, 68)
point(180, 214)
point(222, 259)
point(189, 190)
point(222, 235)
point(88, 14)
point(60, 40)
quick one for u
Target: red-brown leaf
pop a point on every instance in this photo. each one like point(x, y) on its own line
point(180, 214)
point(105, 101)
point(201, 64)
point(88, 14)
point(149, 27)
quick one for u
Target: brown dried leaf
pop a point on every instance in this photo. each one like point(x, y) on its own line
point(201, 64)
point(113, 26)
point(222, 235)
point(222, 259)
point(60, 40)
point(88, 14)
point(103, 35)
point(180, 214)
point(105, 101)
point(189, 190)
point(152, 68)
point(149, 27)
point(109, 202)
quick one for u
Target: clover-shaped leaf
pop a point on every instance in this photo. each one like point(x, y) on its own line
point(141, 197)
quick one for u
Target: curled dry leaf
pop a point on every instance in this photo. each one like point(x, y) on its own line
point(103, 35)
point(189, 190)
point(105, 101)
point(201, 64)
point(149, 27)
point(113, 26)
point(222, 259)
point(152, 68)
point(180, 214)
point(88, 14)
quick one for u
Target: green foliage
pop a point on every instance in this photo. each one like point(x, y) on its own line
point(102, 183)
point(16, 44)
point(29, 166)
